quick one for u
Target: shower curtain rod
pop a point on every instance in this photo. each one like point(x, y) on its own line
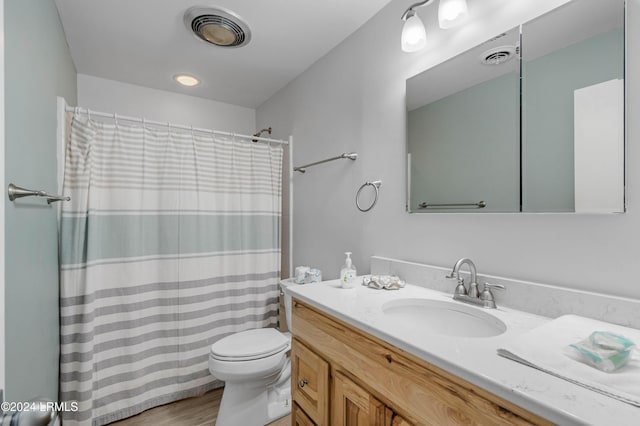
point(117, 117)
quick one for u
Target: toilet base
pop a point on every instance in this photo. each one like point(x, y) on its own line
point(279, 402)
point(251, 404)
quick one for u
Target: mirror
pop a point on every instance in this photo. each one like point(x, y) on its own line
point(531, 120)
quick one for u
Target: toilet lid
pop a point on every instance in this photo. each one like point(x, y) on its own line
point(250, 344)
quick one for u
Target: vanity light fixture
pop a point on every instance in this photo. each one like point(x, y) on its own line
point(186, 80)
point(452, 12)
point(414, 36)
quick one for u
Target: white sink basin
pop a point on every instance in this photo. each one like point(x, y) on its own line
point(440, 317)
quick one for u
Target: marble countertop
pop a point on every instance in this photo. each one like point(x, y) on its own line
point(472, 359)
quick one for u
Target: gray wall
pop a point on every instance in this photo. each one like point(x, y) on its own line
point(111, 96)
point(465, 147)
point(548, 86)
point(354, 99)
point(38, 68)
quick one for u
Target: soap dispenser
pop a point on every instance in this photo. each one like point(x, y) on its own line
point(348, 273)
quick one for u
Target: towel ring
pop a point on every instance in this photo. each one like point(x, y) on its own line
point(376, 185)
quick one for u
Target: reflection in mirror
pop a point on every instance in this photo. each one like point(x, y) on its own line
point(487, 133)
point(463, 131)
point(573, 109)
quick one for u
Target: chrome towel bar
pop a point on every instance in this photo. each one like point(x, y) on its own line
point(350, 155)
point(478, 205)
point(14, 192)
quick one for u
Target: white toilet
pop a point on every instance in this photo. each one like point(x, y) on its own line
point(256, 369)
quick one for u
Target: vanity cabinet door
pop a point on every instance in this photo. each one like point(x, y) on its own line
point(299, 418)
point(351, 405)
point(310, 382)
point(399, 421)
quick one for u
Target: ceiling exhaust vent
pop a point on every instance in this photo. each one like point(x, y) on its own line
point(498, 55)
point(217, 26)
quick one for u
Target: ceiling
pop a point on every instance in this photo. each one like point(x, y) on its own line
point(145, 42)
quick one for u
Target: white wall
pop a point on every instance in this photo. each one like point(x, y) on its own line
point(354, 99)
point(127, 99)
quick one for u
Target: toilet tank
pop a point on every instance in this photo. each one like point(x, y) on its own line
point(287, 299)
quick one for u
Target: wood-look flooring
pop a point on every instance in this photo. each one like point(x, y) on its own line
point(198, 411)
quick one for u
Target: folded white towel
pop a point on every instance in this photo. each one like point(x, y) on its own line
point(543, 348)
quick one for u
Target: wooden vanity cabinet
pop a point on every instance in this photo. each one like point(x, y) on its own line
point(299, 418)
point(351, 405)
point(310, 382)
point(342, 376)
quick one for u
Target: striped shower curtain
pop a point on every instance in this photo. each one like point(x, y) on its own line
point(171, 241)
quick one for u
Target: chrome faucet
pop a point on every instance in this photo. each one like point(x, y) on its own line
point(472, 295)
point(473, 285)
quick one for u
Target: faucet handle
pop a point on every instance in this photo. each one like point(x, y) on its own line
point(489, 286)
point(487, 297)
point(460, 288)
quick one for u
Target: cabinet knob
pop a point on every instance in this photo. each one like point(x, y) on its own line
point(302, 382)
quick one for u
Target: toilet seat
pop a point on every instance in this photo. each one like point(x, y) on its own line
point(249, 345)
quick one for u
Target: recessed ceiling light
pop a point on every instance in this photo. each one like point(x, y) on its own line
point(186, 80)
